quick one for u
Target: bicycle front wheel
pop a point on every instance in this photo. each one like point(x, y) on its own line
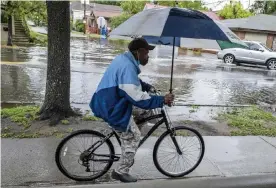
point(76, 162)
point(178, 163)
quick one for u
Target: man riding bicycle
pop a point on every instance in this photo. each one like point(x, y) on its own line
point(119, 90)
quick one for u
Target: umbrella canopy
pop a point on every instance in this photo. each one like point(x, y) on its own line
point(175, 22)
point(167, 26)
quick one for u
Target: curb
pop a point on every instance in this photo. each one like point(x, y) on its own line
point(251, 181)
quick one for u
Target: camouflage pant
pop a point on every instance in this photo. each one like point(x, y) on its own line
point(130, 141)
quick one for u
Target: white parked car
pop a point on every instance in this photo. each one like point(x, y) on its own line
point(257, 54)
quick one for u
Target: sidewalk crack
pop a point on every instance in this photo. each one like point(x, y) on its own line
point(267, 142)
point(216, 166)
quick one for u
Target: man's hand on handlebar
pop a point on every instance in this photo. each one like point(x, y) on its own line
point(169, 98)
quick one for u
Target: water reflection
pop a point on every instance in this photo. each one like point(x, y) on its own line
point(15, 84)
point(15, 55)
point(203, 81)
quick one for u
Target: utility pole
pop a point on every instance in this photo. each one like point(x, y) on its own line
point(84, 16)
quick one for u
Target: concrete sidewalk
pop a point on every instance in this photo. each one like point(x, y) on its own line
point(254, 181)
point(30, 162)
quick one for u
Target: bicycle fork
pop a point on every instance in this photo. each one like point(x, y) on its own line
point(171, 129)
point(175, 143)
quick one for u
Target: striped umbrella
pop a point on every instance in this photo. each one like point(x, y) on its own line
point(168, 26)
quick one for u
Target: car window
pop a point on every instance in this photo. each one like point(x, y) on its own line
point(248, 44)
point(255, 47)
point(266, 47)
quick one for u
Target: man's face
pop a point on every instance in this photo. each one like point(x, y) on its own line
point(143, 56)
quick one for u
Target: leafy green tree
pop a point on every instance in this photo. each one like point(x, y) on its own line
point(79, 26)
point(264, 7)
point(56, 105)
point(117, 3)
point(19, 9)
point(117, 20)
point(4, 18)
point(38, 14)
point(197, 5)
point(234, 10)
point(133, 6)
point(31, 9)
point(130, 8)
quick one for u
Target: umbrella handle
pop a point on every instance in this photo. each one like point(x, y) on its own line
point(172, 66)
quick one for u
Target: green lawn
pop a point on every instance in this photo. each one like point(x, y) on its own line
point(250, 121)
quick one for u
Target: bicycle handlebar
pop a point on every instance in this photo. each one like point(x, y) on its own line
point(158, 93)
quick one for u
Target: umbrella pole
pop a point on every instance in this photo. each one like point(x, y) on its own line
point(172, 65)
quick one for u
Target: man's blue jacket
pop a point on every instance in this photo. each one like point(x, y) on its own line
point(120, 89)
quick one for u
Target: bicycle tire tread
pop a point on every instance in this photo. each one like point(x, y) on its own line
point(73, 134)
point(156, 146)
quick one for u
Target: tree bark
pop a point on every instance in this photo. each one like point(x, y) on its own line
point(56, 104)
point(9, 42)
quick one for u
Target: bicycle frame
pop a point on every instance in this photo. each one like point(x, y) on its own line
point(164, 119)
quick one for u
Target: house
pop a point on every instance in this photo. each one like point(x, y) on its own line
point(261, 28)
point(211, 14)
point(77, 10)
point(93, 12)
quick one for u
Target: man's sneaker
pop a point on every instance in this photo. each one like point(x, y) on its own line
point(126, 178)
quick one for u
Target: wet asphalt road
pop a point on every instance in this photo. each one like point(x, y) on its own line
point(202, 80)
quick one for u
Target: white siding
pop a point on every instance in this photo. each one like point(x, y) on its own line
point(259, 37)
point(78, 15)
point(274, 44)
point(4, 34)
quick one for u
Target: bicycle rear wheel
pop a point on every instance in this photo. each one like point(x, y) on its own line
point(166, 157)
point(73, 159)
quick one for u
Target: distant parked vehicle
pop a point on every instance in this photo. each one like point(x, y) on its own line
point(257, 54)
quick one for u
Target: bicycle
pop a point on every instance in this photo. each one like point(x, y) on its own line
point(92, 155)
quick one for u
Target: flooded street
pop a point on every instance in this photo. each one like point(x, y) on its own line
point(197, 80)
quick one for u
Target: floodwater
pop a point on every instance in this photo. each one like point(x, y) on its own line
point(200, 80)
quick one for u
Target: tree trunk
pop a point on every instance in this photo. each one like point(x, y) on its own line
point(9, 43)
point(56, 104)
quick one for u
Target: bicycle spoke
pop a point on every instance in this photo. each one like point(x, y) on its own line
point(168, 164)
point(173, 163)
point(75, 146)
point(167, 160)
point(192, 145)
point(167, 151)
point(79, 143)
point(184, 162)
point(72, 154)
point(72, 160)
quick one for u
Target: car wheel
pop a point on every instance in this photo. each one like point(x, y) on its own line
point(229, 59)
point(271, 64)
